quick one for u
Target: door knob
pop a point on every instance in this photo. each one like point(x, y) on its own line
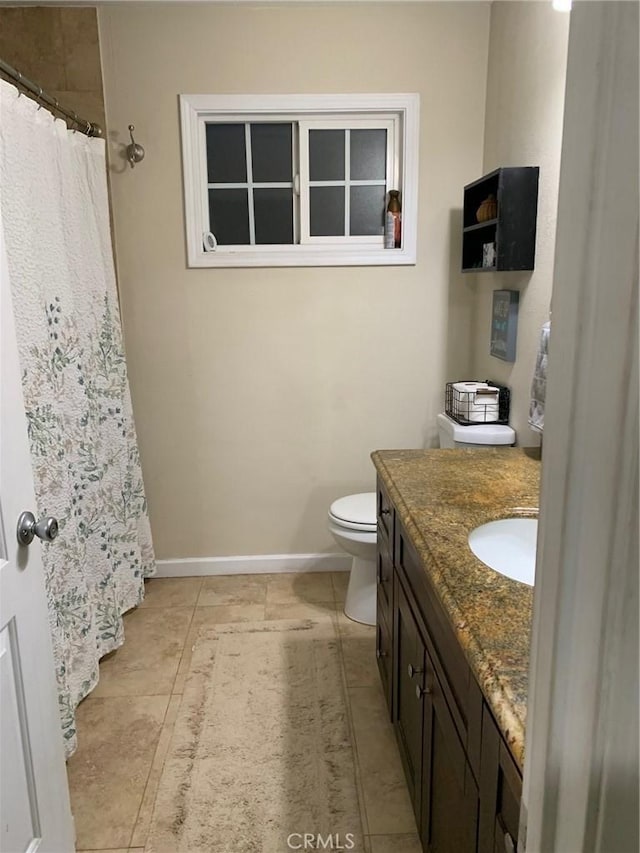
point(46, 528)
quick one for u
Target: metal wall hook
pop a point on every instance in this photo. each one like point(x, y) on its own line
point(135, 152)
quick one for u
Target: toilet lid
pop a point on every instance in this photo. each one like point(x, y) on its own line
point(355, 510)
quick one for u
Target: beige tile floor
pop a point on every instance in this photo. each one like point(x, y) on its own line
point(125, 725)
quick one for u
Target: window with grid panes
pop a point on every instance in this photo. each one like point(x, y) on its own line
point(297, 180)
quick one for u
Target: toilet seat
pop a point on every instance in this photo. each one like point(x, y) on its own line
point(355, 512)
point(353, 525)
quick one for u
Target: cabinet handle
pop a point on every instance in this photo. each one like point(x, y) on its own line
point(413, 671)
point(420, 691)
point(509, 846)
point(381, 654)
point(384, 512)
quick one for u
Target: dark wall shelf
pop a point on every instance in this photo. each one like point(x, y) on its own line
point(513, 231)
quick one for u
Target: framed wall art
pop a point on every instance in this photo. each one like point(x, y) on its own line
point(504, 324)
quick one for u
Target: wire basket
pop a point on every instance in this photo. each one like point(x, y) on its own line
point(471, 413)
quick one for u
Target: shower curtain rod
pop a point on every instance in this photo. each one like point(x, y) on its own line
point(43, 97)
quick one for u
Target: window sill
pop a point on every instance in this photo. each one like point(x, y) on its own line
point(301, 256)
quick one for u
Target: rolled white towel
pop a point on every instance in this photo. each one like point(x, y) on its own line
point(539, 382)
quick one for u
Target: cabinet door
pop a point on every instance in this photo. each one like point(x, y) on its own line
point(385, 514)
point(442, 645)
point(408, 687)
point(500, 792)
point(384, 580)
point(384, 659)
point(449, 791)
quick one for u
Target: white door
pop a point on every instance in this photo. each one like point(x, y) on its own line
point(34, 797)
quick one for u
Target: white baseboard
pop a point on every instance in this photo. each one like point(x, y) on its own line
point(252, 565)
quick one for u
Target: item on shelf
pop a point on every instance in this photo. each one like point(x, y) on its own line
point(474, 402)
point(488, 209)
point(488, 254)
point(393, 222)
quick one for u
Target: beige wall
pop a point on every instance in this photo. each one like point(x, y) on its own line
point(58, 49)
point(259, 394)
point(523, 127)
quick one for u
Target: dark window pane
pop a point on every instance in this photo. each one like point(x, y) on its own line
point(271, 152)
point(368, 155)
point(273, 210)
point(229, 217)
point(226, 154)
point(326, 211)
point(326, 155)
point(367, 210)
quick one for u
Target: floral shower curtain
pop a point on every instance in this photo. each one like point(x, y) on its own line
point(54, 211)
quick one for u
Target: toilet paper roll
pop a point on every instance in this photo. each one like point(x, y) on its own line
point(209, 241)
point(482, 413)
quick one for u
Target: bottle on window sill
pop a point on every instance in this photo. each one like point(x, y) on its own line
point(393, 222)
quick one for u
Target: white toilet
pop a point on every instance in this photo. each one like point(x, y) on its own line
point(352, 519)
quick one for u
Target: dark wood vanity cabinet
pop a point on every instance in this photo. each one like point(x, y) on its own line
point(384, 596)
point(464, 786)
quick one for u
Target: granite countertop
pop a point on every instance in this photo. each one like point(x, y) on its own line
point(440, 496)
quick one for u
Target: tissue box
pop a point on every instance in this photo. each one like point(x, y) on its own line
point(488, 255)
point(477, 402)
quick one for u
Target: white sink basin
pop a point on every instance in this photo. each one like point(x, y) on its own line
point(508, 546)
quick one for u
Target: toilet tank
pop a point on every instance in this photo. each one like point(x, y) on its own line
point(452, 434)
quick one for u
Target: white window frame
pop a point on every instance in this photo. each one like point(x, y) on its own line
point(401, 110)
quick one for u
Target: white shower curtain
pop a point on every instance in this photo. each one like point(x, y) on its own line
point(54, 212)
